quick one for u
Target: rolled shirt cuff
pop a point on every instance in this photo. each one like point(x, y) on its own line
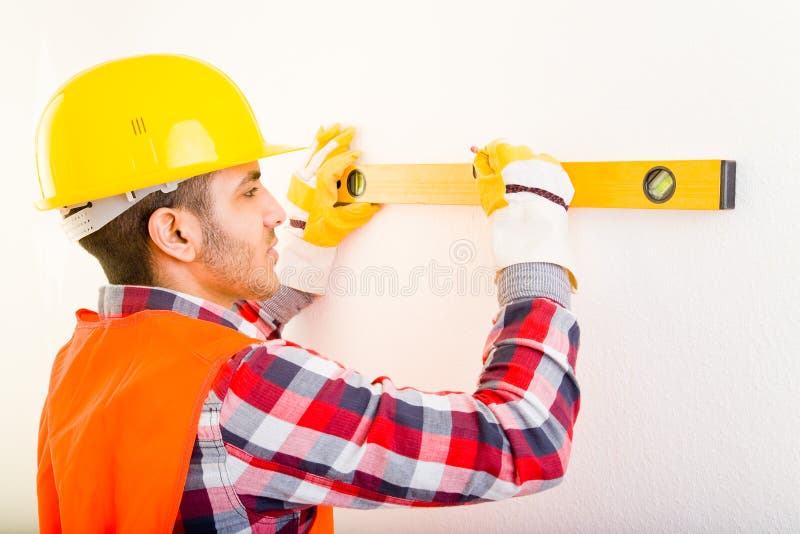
point(532, 280)
point(286, 303)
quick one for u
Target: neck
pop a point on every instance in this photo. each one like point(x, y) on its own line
point(185, 281)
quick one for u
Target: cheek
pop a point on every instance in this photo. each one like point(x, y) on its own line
point(247, 227)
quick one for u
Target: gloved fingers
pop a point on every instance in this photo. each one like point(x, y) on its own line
point(490, 164)
point(481, 164)
point(357, 213)
point(497, 154)
point(486, 160)
point(328, 140)
point(489, 180)
point(328, 226)
point(323, 136)
point(338, 144)
point(501, 153)
point(330, 172)
point(492, 191)
point(342, 142)
point(342, 220)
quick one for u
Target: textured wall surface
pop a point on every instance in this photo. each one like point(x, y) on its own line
point(689, 362)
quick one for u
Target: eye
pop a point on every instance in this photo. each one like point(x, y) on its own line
point(251, 192)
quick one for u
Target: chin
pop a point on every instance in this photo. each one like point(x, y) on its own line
point(263, 283)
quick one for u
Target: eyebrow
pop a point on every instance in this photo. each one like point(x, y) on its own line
point(251, 176)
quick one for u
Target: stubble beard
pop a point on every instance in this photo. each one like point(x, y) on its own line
point(230, 260)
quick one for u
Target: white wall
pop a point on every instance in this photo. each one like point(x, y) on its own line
point(689, 362)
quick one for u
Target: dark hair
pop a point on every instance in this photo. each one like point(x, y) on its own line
point(123, 245)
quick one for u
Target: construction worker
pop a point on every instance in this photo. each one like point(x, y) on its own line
point(177, 405)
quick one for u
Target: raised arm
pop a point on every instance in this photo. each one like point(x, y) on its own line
point(303, 430)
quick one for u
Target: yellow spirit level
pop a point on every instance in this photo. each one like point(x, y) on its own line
point(676, 185)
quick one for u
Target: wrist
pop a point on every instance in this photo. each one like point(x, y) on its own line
point(303, 265)
point(533, 280)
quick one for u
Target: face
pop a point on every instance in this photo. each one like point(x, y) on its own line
point(237, 251)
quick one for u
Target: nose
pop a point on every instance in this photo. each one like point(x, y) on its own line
point(274, 214)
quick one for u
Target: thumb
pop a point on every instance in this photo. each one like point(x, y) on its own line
point(481, 164)
point(330, 172)
point(357, 213)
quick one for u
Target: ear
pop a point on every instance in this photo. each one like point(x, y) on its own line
point(177, 233)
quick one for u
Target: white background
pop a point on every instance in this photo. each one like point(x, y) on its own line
point(690, 354)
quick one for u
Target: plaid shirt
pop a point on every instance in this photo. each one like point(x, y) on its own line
point(284, 429)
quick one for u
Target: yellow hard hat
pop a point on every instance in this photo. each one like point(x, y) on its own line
point(138, 122)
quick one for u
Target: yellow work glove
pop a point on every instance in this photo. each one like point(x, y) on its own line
point(307, 245)
point(526, 197)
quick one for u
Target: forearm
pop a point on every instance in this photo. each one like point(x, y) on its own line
point(365, 444)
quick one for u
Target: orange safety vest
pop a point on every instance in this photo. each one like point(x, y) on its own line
point(120, 421)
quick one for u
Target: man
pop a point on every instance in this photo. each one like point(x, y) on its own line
point(177, 405)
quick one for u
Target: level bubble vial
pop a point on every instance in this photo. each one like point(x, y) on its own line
point(659, 184)
point(356, 183)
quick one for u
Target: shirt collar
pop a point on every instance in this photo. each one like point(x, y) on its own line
point(122, 300)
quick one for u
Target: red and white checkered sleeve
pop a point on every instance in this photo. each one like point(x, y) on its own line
point(302, 430)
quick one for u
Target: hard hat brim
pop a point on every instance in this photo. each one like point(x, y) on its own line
point(268, 150)
point(274, 150)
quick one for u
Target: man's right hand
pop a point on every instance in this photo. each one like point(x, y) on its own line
point(526, 196)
